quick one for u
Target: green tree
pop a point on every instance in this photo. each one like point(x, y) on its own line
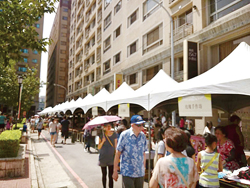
point(9, 86)
point(17, 30)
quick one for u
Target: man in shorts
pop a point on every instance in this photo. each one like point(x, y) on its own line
point(131, 148)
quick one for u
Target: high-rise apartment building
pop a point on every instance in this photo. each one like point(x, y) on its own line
point(132, 38)
point(57, 75)
point(32, 59)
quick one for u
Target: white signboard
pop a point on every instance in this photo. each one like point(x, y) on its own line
point(123, 110)
point(197, 105)
point(95, 111)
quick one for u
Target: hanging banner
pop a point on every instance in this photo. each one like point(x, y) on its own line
point(123, 110)
point(197, 105)
point(95, 111)
point(190, 59)
point(117, 80)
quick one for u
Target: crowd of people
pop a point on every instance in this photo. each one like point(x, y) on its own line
point(176, 162)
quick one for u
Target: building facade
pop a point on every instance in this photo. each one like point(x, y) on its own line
point(32, 59)
point(132, 38)
point(57, 74)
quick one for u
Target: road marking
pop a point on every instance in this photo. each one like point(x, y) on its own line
point(66, 164)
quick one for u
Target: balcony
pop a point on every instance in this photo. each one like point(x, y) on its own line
point(87, 3)
point(86, 83)
point(98, 77)
point(99, 36)
point(182, 31)
point(86, 67)
point(87, 51)
point(98, 57)
point(87, 18)
point(99, 17)
point(178, 76)
point(87, 33)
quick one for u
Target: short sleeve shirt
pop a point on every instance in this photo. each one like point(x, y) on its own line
point(132, 148)
point(166, 175)
point(2, 118)
point(161, 148)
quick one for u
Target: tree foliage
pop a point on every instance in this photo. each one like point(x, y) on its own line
point(9, 86)
point(17, 30)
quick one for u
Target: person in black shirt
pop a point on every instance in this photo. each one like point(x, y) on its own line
point(190, 150)
point(65, 129)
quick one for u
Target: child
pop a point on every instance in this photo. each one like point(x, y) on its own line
point(24, 128)
point(8, 125)
point(209, 163)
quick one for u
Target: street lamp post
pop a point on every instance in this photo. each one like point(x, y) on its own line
point(20, 82)
point(172, 50)
point(58, 85)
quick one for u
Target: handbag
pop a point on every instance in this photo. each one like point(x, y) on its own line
point(209, 163)
point(180, 174)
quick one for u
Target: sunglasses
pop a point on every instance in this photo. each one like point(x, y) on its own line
point(139, 125)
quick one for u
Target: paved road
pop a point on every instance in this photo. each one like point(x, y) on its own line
point(78, 165)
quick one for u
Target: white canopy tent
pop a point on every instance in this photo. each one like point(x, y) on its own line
point(83, 102)
point(117, 96)
point(230, 76)
point(98, 100)
point(69, 106)
point(141, 95)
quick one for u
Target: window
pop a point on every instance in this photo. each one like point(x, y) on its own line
point(25, 60)
point(62, 60)
point(63, 51)
point(22, 69)
point(37, 25)
point(65, 18)
point(117, 32)
point(107, 44)
point(153, 39)
point(63, 43)
point(219, 9)
point(118, 6)
point(117, 58)
point(132, 18)
point(107, 21)
point(106, 3)
point(106, 67)
point(35, 52)
point(186, 18)
point(132, 48)
point(64, 34)
point(65, 10)
point(25, 51)
point(149, 7)
point(34, 60)
point(132, 79)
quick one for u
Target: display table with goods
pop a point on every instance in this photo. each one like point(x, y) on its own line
point(237, 178)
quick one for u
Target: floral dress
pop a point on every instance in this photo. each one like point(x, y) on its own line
point(224, 151)
point(166, 175)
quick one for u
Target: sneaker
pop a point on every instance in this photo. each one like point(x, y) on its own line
point(85, 150)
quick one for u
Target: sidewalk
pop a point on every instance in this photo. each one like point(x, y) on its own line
point(46, 169)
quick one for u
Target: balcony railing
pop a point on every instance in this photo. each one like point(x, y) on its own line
point(178, 76)
point(183, 31)
point(98, 57)
point(99, 17)
point(87, 3)
point(87, 33)
point(98, 77)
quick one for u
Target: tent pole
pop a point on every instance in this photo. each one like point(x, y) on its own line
point(149, 140)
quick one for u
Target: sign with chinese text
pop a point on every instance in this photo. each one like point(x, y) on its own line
point(95, 111)
point(196, 105)
point(117, 80)
point(123, 110)
point(190, 59)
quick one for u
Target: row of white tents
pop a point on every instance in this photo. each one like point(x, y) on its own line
point(230, 76)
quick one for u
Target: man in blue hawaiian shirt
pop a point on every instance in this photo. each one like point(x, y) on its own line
point(131, 148)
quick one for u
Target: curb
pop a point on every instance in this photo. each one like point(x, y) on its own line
point(34, 182)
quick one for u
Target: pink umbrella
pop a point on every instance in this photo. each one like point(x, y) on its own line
point(100, 120)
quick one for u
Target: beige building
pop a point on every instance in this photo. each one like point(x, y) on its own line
point(58, 54)
point(133, 38)
point(32, 59)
